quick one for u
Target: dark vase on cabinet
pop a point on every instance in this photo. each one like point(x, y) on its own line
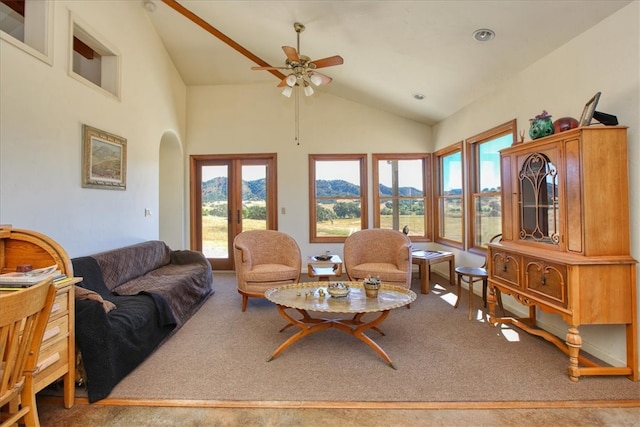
point(565, 247)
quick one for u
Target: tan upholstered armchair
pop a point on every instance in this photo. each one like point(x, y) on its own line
point(264, 259)
point(379, 253)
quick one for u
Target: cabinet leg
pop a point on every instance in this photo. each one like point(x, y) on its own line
point(574, 343)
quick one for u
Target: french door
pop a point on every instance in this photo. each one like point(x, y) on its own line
point(230, 194)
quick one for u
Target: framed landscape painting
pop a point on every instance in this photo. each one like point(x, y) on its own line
point(104, 160)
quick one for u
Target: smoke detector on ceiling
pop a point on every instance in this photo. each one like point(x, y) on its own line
point(149, 5)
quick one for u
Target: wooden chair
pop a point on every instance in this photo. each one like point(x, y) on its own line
point(380, 253)
point(24, 315)
point(476, 274)
point(265, 259)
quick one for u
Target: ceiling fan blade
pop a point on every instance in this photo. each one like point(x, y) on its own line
point(325, 79)
point(328, 62)
point(269, 68)
point(291, 53)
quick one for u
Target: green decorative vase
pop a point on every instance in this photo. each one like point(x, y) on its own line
point(541, 126)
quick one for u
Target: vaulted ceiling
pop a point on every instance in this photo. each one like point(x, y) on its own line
point(392, 50)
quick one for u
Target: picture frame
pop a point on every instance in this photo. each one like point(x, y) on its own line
point(104, 159)
point(589, 109)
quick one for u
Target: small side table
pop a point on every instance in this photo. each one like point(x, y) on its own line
point(324, 269)
point(473, 274)
point(425, 259)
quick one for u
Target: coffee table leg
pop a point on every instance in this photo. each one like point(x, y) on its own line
point(359, 333)
point(304, 329)
point(342, 324)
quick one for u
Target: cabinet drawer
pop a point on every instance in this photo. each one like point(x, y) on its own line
point(56, 329)
point(505, 266)
point(52, 359)
point(546, 280)
point(60, 305)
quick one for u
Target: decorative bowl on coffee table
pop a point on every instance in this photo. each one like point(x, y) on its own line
point(338, 290)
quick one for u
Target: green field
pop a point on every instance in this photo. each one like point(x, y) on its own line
point(214, 229)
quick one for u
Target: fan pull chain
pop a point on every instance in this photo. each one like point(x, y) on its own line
point(297, 114)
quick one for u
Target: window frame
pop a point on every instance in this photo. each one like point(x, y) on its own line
point(438, 195)
point(426, 159)
point(364, 190)
point(472, 145)
point(110, 58)
point(38, 31)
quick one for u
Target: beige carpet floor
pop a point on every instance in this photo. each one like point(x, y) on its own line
point(440, 355)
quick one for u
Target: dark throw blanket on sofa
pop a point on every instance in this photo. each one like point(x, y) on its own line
point(113, 344)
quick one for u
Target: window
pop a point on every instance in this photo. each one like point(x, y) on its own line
point(92, 61)
point(449, 217)
point(337, 196)
point(401, 196)
point(485, 214)
point(27, 24)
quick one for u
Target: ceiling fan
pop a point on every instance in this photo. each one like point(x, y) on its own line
point(303, 69)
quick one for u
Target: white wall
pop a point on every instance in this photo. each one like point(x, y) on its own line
point(605, 58)
point(42, 111)
point(257, 119)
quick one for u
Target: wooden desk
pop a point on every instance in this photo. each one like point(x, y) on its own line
point(57, 358)
point(324, 269)
point(425, 259)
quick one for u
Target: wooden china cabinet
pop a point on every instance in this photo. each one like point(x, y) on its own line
point(565, 245)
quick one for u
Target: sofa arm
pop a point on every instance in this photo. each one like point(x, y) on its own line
point(182, 257)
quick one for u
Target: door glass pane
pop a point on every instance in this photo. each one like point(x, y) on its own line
point(215, 211)
point(254, 197)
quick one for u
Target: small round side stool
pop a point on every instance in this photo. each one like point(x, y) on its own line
point(474, 274)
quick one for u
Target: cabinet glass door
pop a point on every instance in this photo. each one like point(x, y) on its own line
point(538, 202)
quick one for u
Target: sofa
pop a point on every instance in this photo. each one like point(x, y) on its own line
point(130, 301)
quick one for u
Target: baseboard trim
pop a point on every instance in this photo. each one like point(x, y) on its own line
point(274, 404)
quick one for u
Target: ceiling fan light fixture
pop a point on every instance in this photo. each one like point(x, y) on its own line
point(315, 79)
point(308, 90)
point(484, 35)
point(287, 91)
point(291, 80)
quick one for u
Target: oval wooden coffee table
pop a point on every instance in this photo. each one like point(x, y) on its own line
point(313, 296)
